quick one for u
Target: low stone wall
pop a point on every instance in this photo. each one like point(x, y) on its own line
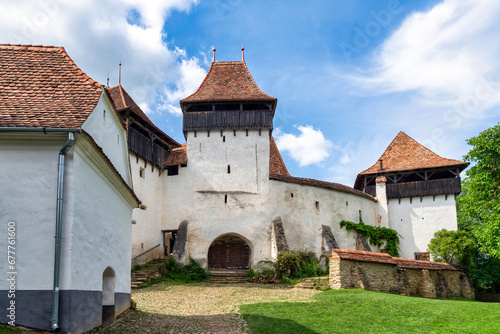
point(382, 272)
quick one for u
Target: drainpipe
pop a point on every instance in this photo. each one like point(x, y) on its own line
point(59, 205)
point(59, 212)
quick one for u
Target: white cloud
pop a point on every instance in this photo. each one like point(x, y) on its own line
point(98, 34)
point(444, 54)
point(310, 147)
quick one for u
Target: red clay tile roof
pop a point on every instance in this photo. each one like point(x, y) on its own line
point(40, 86)
point(348, 254)
point(404, 153)
point(321, 184)
point(123, 101)
point(228, 81)
point(177, 157)
point(276, 164)
point(417, 264)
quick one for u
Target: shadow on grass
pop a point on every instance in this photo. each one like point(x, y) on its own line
point(260, 324)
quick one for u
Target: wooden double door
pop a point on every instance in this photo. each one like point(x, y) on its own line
point(229, 252)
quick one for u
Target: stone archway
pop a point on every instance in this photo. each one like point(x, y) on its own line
point(229, 252)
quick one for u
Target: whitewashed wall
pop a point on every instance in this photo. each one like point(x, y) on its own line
point(107, 130)
point(102, 228)
point(96, 220)
point(198, 193)
point(417, 221)
point(28, 178)
point(146, 233)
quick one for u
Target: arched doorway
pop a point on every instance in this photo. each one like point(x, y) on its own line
point(229, 252)
point(108, 297)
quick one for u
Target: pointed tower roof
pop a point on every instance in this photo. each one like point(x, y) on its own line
point(228, 81)
point(405, 153)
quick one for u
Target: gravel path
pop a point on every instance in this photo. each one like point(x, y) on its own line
point(199, 307)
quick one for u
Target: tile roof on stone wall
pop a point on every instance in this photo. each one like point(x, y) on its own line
point(122, 101)
point(404, 153)
point(276, 164)
point(177, 157)
point(41, 86)
point(321, 184)
point(228, 81)
point(348, 254)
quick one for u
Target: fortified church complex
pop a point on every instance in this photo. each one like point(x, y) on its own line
point(89, 183)
point(226, 199)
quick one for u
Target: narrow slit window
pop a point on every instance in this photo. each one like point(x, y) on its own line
point(291, 195)
point(317, 207)
point(225, 199)
point(141, 172)
point(229, 169)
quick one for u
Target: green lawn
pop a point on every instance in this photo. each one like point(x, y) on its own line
point(359, 311)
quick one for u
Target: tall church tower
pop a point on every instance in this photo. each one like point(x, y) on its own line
point(227, 124)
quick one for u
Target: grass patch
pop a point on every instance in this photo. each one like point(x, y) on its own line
point(359, 311)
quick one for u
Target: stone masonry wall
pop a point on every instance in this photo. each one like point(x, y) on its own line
point(380, 274)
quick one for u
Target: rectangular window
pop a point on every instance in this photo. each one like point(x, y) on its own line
point(317, 208)
point(173, 170)
point(422, 256)
point(141, 172)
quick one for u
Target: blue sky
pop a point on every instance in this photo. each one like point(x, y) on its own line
point(348, 75)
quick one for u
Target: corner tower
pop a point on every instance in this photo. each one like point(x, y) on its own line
point(227, 124)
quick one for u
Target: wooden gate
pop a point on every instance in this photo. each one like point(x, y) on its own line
point(229, 252)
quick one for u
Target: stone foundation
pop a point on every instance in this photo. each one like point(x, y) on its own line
point(382, 272)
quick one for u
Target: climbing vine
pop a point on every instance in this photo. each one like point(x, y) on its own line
point(376, 235)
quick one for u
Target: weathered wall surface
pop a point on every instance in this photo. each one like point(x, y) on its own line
point(391, 277)
point(244, 202)
point(146, 233)
point(302, 220)
point(417, 220)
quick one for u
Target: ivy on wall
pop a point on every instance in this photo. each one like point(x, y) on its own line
point(376, 235)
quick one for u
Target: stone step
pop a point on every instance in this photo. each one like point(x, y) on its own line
point(313, 283)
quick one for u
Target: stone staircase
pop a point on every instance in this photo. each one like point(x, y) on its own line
point(227, 276)
point(313, 283)
point(147, 273)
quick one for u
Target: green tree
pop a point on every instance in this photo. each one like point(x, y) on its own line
point(479, 204)
point(455, 247)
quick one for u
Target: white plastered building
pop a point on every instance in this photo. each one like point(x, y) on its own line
point(66, 191)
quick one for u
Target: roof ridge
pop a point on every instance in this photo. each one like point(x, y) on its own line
point(29, 46)
point(120, 89)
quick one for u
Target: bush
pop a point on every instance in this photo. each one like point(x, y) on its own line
point(297, 264)
point(191, 272)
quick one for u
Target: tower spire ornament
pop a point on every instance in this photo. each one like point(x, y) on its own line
point(242, 53)
point(213, 59)
point(120, 73)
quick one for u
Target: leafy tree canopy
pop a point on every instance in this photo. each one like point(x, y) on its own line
point(479, 203)
point(452, 247)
